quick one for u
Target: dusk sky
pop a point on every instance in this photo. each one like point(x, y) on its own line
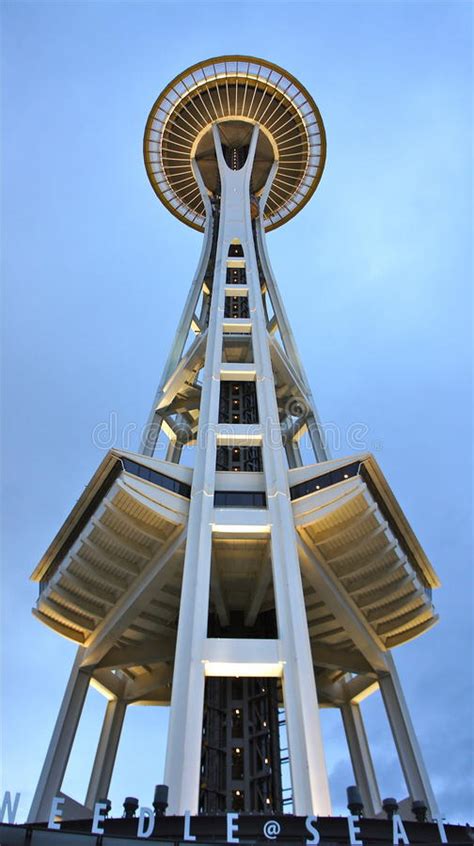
point(375, 273)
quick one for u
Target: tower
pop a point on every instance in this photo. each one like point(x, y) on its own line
point(248, 589)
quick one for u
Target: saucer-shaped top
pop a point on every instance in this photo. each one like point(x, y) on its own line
point(235, 92)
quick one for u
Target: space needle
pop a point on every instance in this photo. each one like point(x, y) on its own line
point(215, 571)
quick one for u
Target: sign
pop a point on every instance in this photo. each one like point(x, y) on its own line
point(231, 827)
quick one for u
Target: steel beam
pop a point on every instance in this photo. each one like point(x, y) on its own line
point(106, 752)
point(60, 746)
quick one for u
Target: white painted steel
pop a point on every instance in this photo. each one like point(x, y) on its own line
point(361, 758)
point(60, 746)
point(106, 752)
point(406, 741)
point(152, 428)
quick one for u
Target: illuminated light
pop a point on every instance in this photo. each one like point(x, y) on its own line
point(237, 792)
point(237, 710)
point(267, 801)
point(346, 476)
point(103, 690)
point(317, 487)
point(266, 760)
point(264, 723)
point(238, 751)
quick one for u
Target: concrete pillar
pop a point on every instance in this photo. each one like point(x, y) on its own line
point(61, 742)
point(361, 758)
point(409, 752)
point(106, 752)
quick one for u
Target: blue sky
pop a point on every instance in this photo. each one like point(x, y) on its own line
point(375, 273)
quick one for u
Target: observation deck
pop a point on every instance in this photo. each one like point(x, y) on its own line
point(122, 547)
point(120, 550)
point(350, 524)
point(237, 93)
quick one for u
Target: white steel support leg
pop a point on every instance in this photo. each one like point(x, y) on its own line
point(293, 454)
point(152, 429)
point(409, 752)
point(361, 758)
point(174, 451)
point(106, 752)
point(183, 754)
point(313, 422)
point(61, 742)
point(308, 766)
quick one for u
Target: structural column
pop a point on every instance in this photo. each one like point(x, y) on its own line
point(183, 754)
point(361, 758)
point(174, 451)
point(151, 431)
point(106, 752)
point(312, 421)
point(61, 742)
point(408, 748)
point(293, 454)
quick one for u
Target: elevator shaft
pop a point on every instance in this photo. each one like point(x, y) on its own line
point(240, 766)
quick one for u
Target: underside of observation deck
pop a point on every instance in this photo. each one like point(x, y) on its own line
point(111, 580)
point(237, 93)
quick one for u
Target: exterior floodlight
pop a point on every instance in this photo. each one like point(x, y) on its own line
point(108, 806)
point(419, 810)
point(130, 807)
point(160, 802)
point(354, 801)
point(390, 806)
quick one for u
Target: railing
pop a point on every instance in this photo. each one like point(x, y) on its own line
point(156, 478)
point(324, 481)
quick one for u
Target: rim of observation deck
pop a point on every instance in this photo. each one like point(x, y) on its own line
point(301, 164)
